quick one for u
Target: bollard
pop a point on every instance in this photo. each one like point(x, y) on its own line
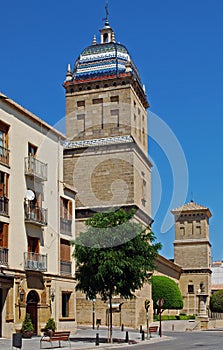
point(143, 335)
point(122, 328)
point(127, 337)
point(172, 327)
point(97, 339)
point(140, 330)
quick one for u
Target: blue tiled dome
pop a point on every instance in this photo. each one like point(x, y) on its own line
point(107, 59)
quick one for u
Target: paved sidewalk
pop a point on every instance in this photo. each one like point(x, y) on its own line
point(85, 339)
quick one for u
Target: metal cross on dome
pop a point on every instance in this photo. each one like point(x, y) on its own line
point(107, 13)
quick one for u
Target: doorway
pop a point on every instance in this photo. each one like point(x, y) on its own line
point(31, 308)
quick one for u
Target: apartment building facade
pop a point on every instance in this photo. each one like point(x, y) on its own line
point(36, 223)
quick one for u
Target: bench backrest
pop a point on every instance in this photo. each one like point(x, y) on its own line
point(60, 334)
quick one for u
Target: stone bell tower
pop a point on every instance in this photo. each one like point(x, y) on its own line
point(106, 155)
point(192, 252)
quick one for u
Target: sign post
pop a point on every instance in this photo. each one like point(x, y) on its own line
point(160, 303)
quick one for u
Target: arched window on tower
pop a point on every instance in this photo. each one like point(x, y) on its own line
point(105, 38)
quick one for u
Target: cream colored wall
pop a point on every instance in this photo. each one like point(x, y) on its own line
point(24, 130)
point(20, 133)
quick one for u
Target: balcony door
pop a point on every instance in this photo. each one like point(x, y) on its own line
point(3, 244)
point(4, 143)
point(33, 248)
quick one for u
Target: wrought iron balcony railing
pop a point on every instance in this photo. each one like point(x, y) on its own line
point(4, 206)
point(35, 262)
point(35, 168)
point(3, 256)
point(35, 214)
point(66, 227)
point(4, 155)
point(65, 267)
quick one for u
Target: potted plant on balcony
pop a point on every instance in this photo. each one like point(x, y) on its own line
point(50, 326)
point(27, 327)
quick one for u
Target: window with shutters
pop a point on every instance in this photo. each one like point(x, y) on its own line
point(65, 250)
point(3, 244)
point(65, 257)
point(66, 213)
point(33, 245)
point(3, 184)
point(4, 193)
point(3, 235)
point(4, 151)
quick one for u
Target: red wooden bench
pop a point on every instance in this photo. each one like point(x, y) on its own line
point(153, 329)
point(56, 336)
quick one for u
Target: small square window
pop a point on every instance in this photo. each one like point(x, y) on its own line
point(80, 103)
point(96, 101)
point(190, 288)
point(114, 99)
point(80, 116)
point(114, 112)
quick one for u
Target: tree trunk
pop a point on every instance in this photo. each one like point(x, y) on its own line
point(110, 319)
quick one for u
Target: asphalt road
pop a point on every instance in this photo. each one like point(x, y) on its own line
point(205, 340)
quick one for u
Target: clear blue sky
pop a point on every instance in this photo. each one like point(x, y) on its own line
point(177, 47)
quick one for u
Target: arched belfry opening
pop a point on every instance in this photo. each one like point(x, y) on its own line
point(105, 38)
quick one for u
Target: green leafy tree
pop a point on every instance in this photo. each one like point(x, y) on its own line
point(216, 301)
point(114, 256)
point(165, 288)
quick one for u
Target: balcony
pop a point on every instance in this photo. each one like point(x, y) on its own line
point(3, 256)
point(65, 268)
point(4, 155)
point(4, 207)
point(66, 227)
point(35, 215)
point(35, 262)
point(35, 168)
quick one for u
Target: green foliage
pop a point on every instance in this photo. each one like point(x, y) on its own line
point(27, 325)
point(114, 256)
point(50, 325)
point(172, 318)
point(216, 301)
point(164, 287)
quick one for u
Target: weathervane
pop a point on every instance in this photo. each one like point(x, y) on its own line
point(106, 11)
